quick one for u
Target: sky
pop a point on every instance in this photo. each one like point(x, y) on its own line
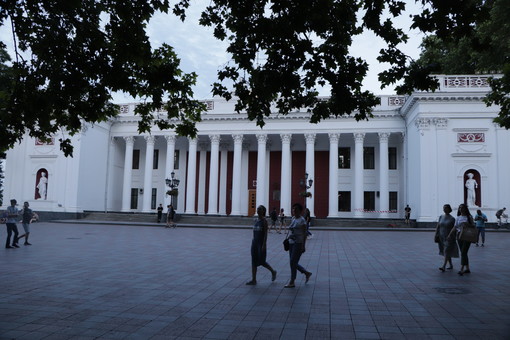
point(201, 53)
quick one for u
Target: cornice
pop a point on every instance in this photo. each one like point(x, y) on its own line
point(440, 97)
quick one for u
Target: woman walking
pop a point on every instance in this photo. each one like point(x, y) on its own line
point(259, 247)
point(297, 240)
point(463, 216)
point(447, 248)
point(281, 216)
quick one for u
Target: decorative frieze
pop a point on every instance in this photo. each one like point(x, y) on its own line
point(441, 123)
point(471, 137)
point(396, 100)
point(466, 81)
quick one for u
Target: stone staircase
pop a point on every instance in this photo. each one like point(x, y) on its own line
point(244, 220)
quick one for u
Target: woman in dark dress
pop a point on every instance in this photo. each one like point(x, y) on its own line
point(447, 248)
point(258, 247)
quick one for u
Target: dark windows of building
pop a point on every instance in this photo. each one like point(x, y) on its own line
point(176, 159)
point(153, 198)
point(136, 159)
point(393, 201)
point(392, 158)
point(369, 200)
point(155, 159)
point(344, 201)
point(134, 198)
point(344, 158)
point(368, 157)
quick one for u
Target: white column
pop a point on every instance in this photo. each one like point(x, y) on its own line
point(261, 169)
point(213, 175)
point(358, 174)
point(333, 174)
point(147, 175)
point(223, 179)
point(128, 171)
point(285, 193)
point(192, 170)
point(169, 164)
point(310, 170)
point(384, 193)
point(236, 180)
point(201, 178)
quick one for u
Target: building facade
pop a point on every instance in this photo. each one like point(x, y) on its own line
point(424, 150)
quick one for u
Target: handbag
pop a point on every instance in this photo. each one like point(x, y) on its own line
point(468, 232)
point(286, 243)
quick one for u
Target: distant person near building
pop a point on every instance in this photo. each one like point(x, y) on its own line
point(499, 215)
point(170, 215)
point(11, 219)
point(27, 217)
point(160, 212)
point(480, 219)
point(407, 214)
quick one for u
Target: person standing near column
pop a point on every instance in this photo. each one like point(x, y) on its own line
point(12, 216)
point(407, 214)
point(160, 212)
point(297, 240)
point(28, 216)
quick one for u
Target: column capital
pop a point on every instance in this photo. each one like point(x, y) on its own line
point(215, 139)
point(310, 138)
point(129, 139)
point(359, 137)
point(238, 139)
point(286, 138)
point(170, 139)
point(193, 141)
point(334, 137)
point(261, 138)
point(149, 139)
point(383, 136)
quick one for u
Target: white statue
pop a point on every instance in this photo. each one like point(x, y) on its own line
point(471, 185)
point(42, 186)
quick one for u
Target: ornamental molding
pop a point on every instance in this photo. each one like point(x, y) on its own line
point(384, 136)
point(238, 139)
point(472, 154)
point(439, 97)
point(396, 100)
point(310, 138)
point(192, 141)
point(215, 139)
point(359, 137)
point(466, 82)
point(149, 139)
point(170, 139)
point(261, 138)
point(470, 137)
point(440, 123)
point(333, 137)
point(129, 139)
point(422, 123)
point(286, 138)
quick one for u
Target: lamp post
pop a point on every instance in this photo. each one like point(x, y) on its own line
point(305, 184)
point(173, 183)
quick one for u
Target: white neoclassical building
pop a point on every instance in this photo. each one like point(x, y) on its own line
point(416, 150)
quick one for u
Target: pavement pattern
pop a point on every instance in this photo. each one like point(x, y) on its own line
point(87, 281)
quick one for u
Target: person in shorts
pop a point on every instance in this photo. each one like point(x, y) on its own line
point(27, 217)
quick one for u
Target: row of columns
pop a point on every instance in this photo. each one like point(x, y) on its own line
point(219, 189)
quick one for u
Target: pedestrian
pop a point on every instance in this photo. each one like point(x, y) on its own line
point(170, 215)
point(281, 216)
point(308, 220)
point(447, 247)
point(259, 247)
point(160, 212)
point(297, 242)
point(27, 217)
point(274, 217)
point(499, 214)
point(12, 216)
point(463, 216)
point(407, 214)
point(480, 219)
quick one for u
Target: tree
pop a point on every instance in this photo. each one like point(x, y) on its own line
point(71, 55)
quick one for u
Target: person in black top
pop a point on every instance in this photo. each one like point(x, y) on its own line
point(28, 216)
point(160, 212)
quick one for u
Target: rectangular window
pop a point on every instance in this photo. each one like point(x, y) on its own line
point(393, 201)
point(344, 201)
point(134, 198)
point(176, 159)
point(136, 159)
point(155, 159)
point(392, 158)
point(369, 200)
point(153, 198)
point(344, 158)
point(368, 158)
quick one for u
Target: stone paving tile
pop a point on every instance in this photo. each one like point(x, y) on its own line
point(126, 282)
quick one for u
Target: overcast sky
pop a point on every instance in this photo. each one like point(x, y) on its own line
point(201, 53)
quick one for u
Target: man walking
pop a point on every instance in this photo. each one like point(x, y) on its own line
point(27, 217)
point(12, 216)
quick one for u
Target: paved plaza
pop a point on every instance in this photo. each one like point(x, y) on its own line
point(96, 281)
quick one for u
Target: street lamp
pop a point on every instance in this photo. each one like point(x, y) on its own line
point(173, 183)
point(306, 184)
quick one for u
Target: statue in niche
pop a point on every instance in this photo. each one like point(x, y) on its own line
point(471, 186)
point(42, 186)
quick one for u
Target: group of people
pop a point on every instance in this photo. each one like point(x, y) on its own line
point(447, 236)
point(10, 218)
point(170, 215)
point(296, 235)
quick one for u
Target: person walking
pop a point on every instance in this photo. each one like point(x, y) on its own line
point(259, 247)
point(160, 212)
point(11, 219)
point(27, 217)
point(281, 216)
point(463, 216)
point(274, 217)
point(297, 241)
point(170, 215)
point(480, 219)
point(447, 247)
